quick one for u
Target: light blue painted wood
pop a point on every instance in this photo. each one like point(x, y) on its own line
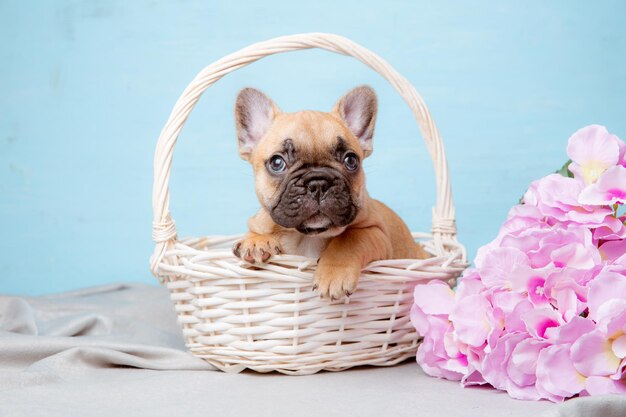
point(85, 88)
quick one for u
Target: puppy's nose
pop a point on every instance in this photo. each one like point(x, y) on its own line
point(318, 187)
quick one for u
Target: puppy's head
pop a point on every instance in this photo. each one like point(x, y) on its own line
point(307, 165)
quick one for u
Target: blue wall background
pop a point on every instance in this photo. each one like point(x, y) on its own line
point(86, 86)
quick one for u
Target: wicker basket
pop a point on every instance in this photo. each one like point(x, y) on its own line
point(268, 318)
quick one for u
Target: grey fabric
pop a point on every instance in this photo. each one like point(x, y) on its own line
point(117, 350)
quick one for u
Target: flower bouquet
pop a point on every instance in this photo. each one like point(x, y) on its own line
point(543, 313)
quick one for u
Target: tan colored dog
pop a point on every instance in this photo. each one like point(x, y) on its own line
point(311, 187)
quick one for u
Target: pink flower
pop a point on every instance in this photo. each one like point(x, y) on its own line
point(556, 246)
point(557, 378)
point(602, 352)
point(434, 298)
point(538, 321)
point(567, 381)
point(608, 190)
point(556, 197)
point(543, 314)
point(605, 287)
point(521, 217)
point(612, 229)
point(496, 364)
point(500, 264)
point(593, 150)
point(522, 368)
point(567, 291)
point(470, 284)
point(434, 361)
point(439, 354)
point(569, 332)
point(473, 320)
point(536, 290)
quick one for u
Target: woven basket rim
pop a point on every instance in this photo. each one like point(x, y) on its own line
point(386, 269)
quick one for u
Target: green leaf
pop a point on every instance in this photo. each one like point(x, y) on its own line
point(565, 170)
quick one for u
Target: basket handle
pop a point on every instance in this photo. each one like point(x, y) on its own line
point(163, 227)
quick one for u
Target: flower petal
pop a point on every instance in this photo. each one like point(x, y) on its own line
point(513, 321)
point(469, 284)
point(498, 265)
point(472, 319)
point(567, 302)
point(557, 377)
point(522, 367)
point(612, 318)
point(601, 385)
point(432, 363)
point(608, 190)
point(539, 320)
point(613, 249)
point(619, 346)
point(606, 286)
point(436, 297)
point(611, 229)
point(495, 365)
point(575, 256)
point(419, 320)
point(592, 355)
point(570, 332)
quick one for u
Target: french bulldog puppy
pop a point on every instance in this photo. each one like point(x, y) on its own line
point(310, 183)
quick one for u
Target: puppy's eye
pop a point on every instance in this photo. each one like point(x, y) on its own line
point(351, 161)
point(277, 164)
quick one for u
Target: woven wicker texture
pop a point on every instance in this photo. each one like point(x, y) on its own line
point(267, 318)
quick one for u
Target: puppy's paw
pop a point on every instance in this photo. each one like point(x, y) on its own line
point(335, 282)
point(254, 248)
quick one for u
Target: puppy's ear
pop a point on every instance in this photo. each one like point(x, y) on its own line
point(358, 110)
point(254, 114)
